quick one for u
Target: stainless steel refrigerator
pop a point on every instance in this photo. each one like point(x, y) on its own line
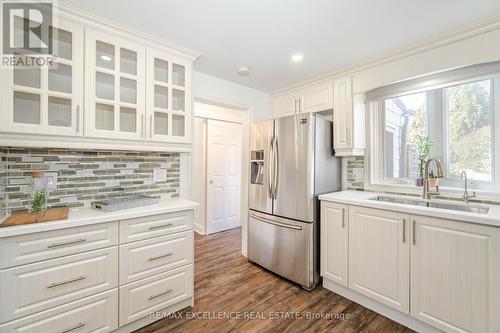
point(292, 162)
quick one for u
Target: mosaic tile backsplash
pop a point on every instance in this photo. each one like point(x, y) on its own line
point(85, 176)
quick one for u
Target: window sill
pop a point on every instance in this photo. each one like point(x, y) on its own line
point(486, 196)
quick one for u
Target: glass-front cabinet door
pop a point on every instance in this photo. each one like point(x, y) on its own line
point(115, 85)
point(168, 101)
point(47, 99)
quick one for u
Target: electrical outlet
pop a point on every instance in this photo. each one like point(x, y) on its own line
point(159, 175)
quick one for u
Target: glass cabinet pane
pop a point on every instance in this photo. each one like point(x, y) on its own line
point(29, 77)
point(161, 97)
point(104, 117)
point(26, 108)
point(105, 55)
point(62, 43)
point(161, 70)
point(128, 119)
point(178, 125)
point(178, 75)
point(60, 78)
point(128, 62)
point(161, 123)
point(105, 86)
point(128, 90)
point(59, 111)
point(178, 98)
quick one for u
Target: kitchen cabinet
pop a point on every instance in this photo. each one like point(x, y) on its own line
point(313, 98)
point(168, 108)
point(379, 256)
point(455, 274)
point(114, 87)
point(334, 242)
point(348, 119)
point(47, 99)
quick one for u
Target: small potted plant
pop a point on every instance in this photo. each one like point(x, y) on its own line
point(423, 148)
point(433, 179)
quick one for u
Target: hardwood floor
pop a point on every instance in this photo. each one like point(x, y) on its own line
point(225, 282)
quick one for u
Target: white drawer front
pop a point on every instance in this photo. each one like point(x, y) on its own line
point(146, 258)
point(26, 249)
point(36, 287)
point(157, 225)
point(139, 299)
point(96, 314)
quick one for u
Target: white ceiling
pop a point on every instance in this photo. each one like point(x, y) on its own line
point(331, 34)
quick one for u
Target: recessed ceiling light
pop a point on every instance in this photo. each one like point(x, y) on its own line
point(243, 70)
point(297, 57)
point(106, 58)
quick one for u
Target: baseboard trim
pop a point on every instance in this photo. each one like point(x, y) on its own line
point(199, 229)
point(382, 309)
point(148, 321)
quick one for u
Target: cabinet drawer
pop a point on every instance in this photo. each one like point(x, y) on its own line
point(26, 249)
point(146, 258)
point(139, 299)
point(36, 287)
point(96, 314)
point(157, 225)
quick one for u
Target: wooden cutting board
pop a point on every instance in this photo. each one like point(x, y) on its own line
point(25, 217)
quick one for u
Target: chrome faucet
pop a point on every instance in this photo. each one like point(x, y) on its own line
point(466, 195)
point(426, 193)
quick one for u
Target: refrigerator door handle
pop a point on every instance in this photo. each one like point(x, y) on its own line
point(270, 168)
point(276, 166)
point(278, 224)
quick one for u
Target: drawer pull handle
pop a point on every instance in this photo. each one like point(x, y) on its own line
point(76, 241)
point(77, 326)
point(159, 295)
point(161, 226)
point(160, 257)
point(58, 284)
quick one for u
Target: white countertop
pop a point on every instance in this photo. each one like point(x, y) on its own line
point(87, 216)
point(359, 198)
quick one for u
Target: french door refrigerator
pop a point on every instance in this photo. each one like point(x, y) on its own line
point(292, 162)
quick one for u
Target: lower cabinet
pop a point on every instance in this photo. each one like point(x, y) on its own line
point(334, 242)
point(439, 273)
point(455, 275)
point(379, 256)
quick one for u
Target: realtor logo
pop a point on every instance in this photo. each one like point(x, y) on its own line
point(27, 34)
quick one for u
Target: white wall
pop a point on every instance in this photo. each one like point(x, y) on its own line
point(213, 89)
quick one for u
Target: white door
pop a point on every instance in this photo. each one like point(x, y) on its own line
point(379, 256)
point(455, 274)
point(334, 242)
point(342, 113)
point(223, 175)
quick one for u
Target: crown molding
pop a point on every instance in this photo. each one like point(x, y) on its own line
point(453, 36)
point(101, 23)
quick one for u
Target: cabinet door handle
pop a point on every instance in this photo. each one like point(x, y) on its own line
point(161, 226)
point(142, 125)
point(160, 294)
point(58, 284)
point(343, 217)
point(151, 126)
point(404, 230)
point(348, 133)
point(72, 242)
point(160, 257)
point(77, 326)
point(78, 119)
point(413, 231)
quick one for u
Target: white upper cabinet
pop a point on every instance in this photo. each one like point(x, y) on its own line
point(348, 119)
point(47, 100)
point(455, 274)
point(168, 98)
point(115, 87)
point(313, 98)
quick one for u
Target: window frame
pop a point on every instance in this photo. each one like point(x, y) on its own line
point(376, 156)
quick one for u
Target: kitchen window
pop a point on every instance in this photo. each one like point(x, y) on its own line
point(459, 116)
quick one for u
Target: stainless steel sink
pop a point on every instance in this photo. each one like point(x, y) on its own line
point(439, 205)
